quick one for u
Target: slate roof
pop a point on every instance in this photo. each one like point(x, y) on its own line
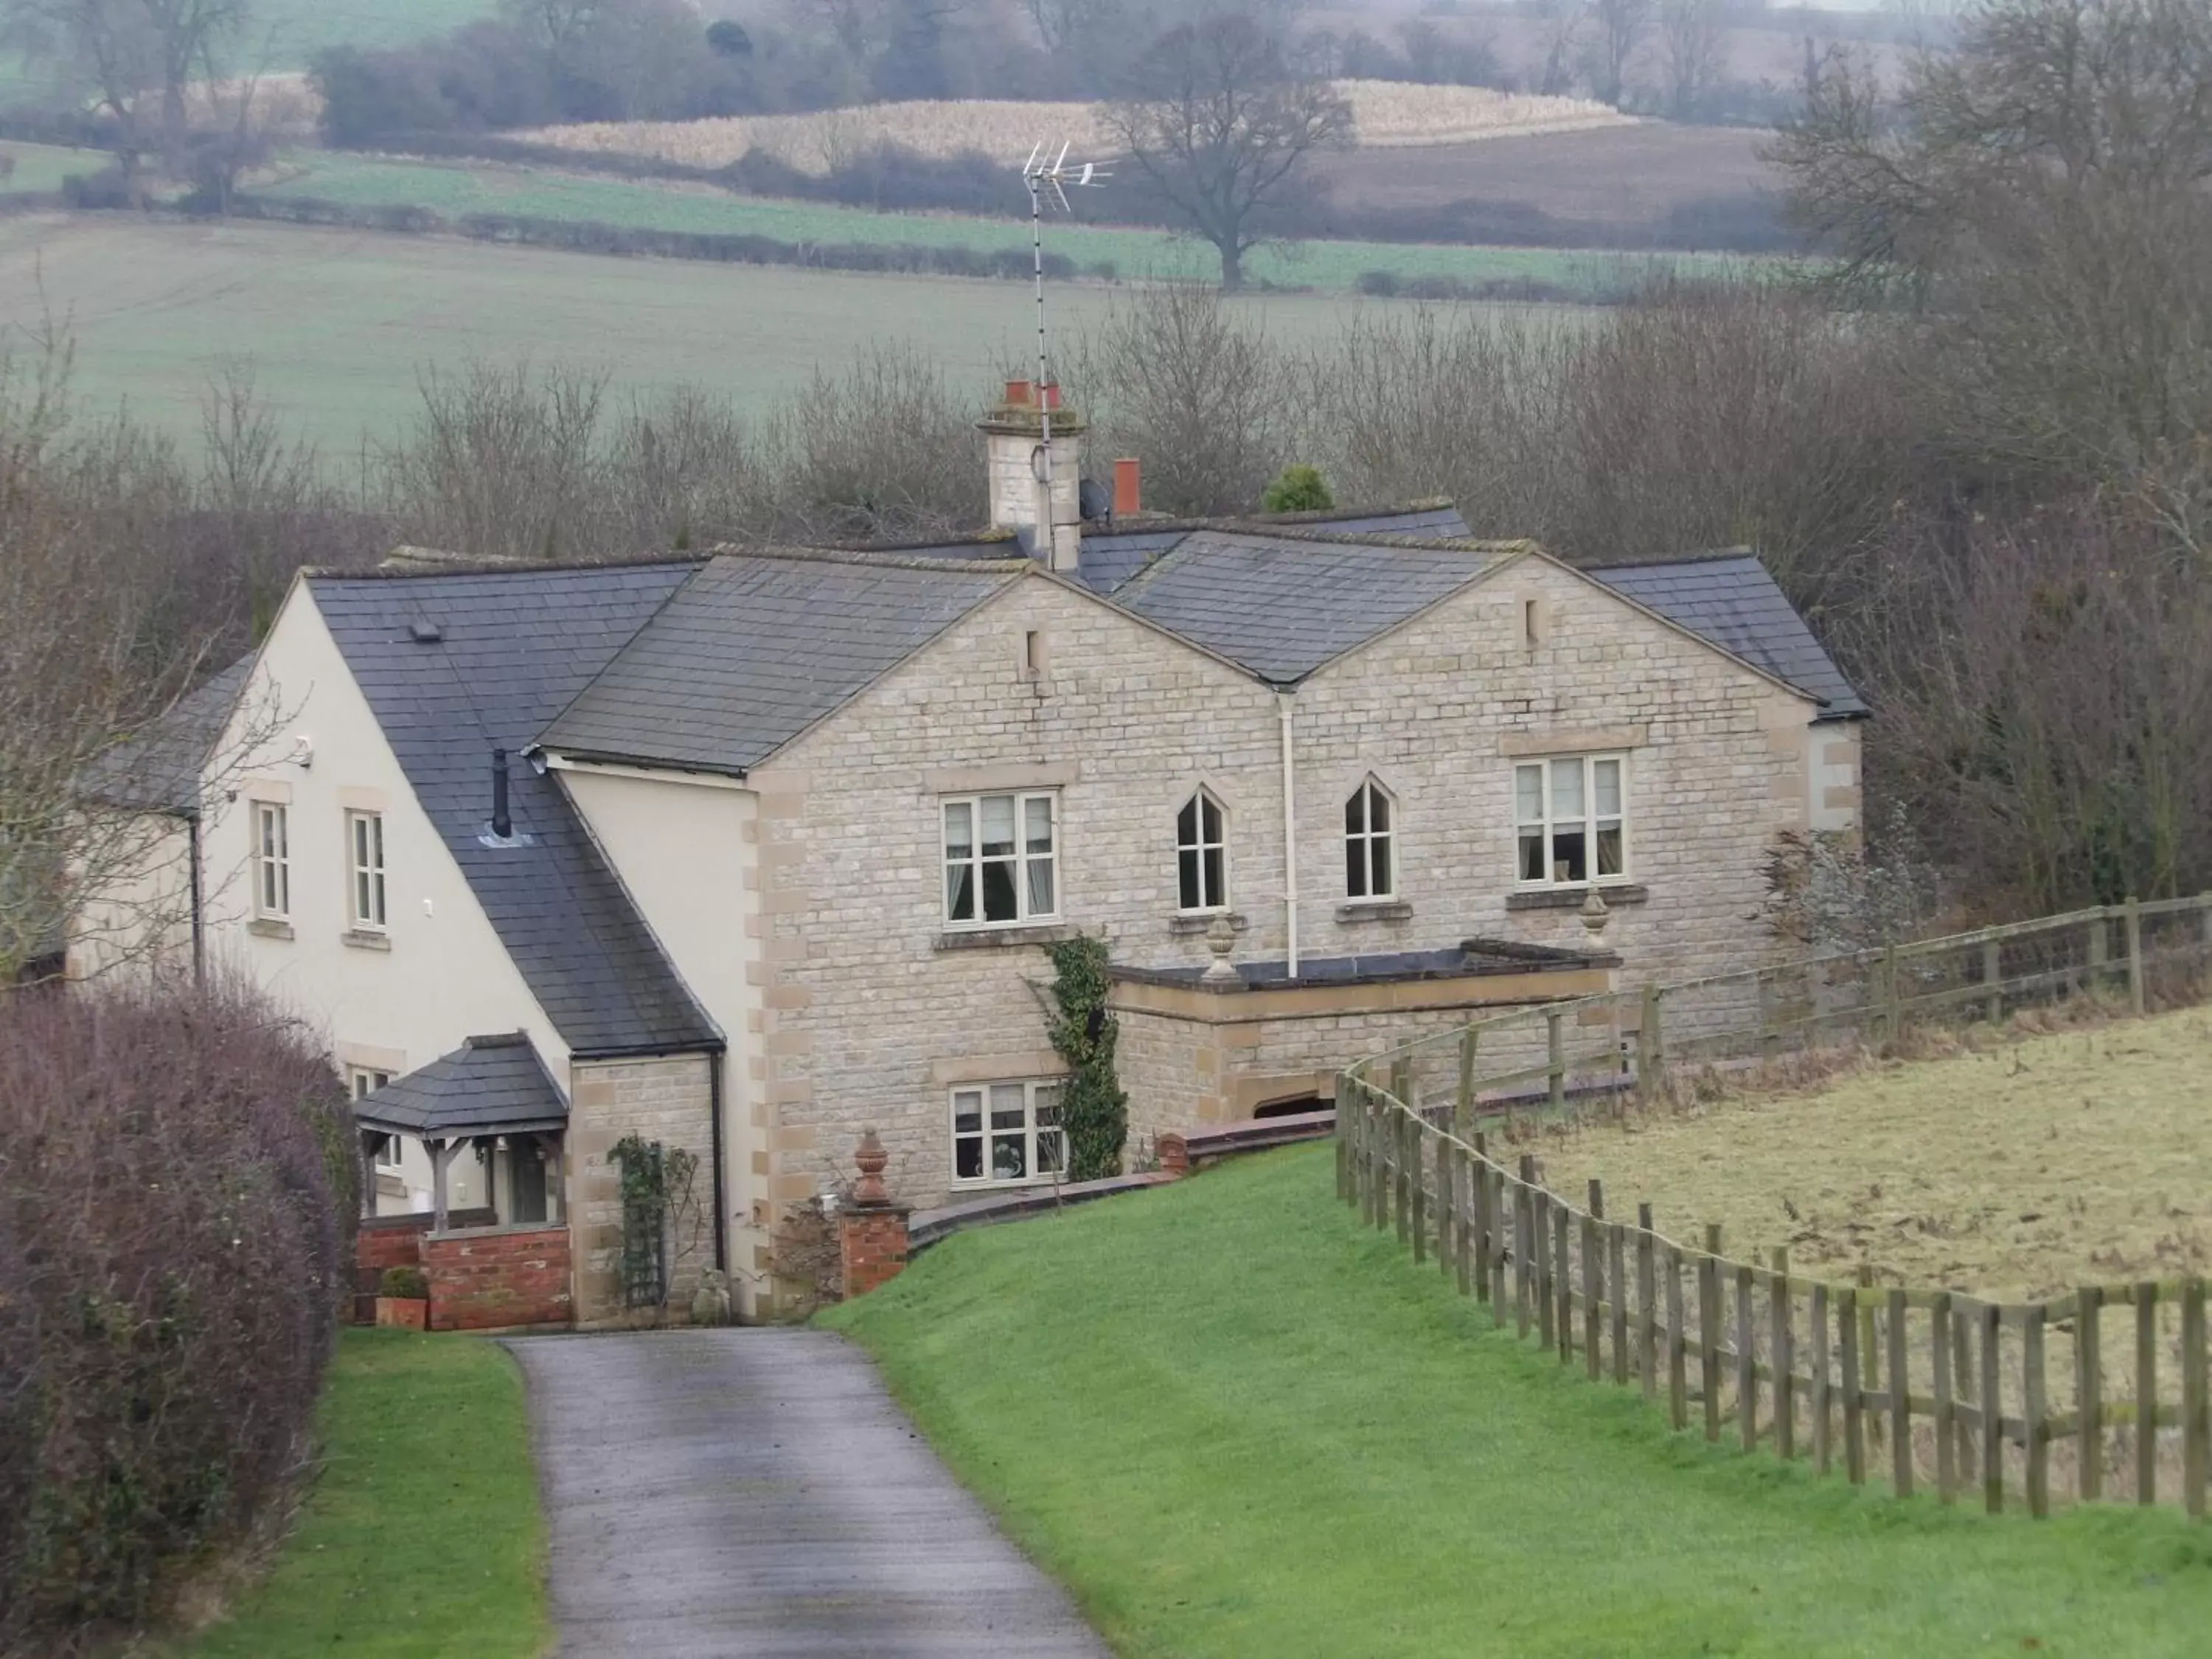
point(1733, 600)
point(514, 648)
point(758, 648)
point(1282, 606)
point(490, 1086)
point(1111, 557)
point(160, 769)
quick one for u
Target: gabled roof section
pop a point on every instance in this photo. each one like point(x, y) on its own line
point(454, 667)
point(1283, 603)
point(490, 1086)
point(1112, 556)
point(160, 768)
point(758, 646)
point(1731, 599)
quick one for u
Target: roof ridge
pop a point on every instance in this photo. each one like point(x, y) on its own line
point(489, 567)
point(1376, 539)
point(866, 558)
point(1167, 523)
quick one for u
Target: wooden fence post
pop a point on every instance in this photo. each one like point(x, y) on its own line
point(2147, 1392)
point(1463, 1099)
point(2135, 957)
point(2089, 1391)
point(1466, 1189)
point(1747, 1358)
point(1417, 1135)
point(1651, 1040)
point(1616, 1274)
point(1539, 1252)
point(1556, 1068)
point(2195, 1431)
point(1524, 1230)
point(1823, 1414)
point(1678, 1382)
point(1594, 1282)
point(1497, 1178)
point(1847, 1332)
point(1892, 1001)
point(1647, 1292)
point(1709, 1327)
point(2100, 949)
point(2035, 1426)
point(1563, 1284)
point(1990, 1320)
point(1402, 1128)
point(1962, 1381)
point(1993, 978)
point(1485, 1222)
point(1947, 1449)
point(1780, 1311)
point(1900, 1395)
point(1869, 1378)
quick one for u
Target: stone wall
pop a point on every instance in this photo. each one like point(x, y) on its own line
point(872, 1010)
point(493, 1277)
point(670, 1099)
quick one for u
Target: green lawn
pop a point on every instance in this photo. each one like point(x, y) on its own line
point(456, 188)
point(1238, 1426)
point(421, 1537)
point(43, 167)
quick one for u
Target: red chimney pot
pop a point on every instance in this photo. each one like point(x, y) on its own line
point(1051, 390)
point(1129, 486)
point(1019, 394)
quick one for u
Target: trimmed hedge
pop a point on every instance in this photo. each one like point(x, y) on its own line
point(177, 1196)
point(594, 236)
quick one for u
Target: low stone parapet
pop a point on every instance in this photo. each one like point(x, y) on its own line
point(395, 1241)
point(487, 1277)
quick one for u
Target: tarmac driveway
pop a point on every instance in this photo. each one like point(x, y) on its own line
point(732, 1493)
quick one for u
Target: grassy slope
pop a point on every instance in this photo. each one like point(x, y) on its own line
point(421, 1537)
point(453, 189)
point(1239, 1427)
point(339, 324)
point(2023, 1169)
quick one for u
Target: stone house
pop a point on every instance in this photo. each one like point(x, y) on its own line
point(746, 853)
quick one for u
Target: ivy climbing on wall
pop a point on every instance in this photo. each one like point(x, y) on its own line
point(658, 1201)
point(1093, 1109)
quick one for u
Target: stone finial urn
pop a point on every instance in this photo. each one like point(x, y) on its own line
point(873, 1159)
point(1221, 940)
point(1594, 915)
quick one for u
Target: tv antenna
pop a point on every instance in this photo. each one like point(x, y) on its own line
point(1049, 175)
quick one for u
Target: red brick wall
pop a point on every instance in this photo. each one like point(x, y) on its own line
point(510, 1276)
point(394, 1240)
point(872, 1248)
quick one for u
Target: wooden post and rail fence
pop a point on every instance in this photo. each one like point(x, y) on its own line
point(2101, 1394)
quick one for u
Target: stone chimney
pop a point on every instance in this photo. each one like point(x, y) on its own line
point(1014, 450)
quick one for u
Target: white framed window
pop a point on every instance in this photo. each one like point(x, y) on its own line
point(1570, 820)
point(1001, 860)
point(272, 860)
point(1004, 1132)
point(1202, 855)
point(1371, 864)
point(365, 1081)
point(365, 845)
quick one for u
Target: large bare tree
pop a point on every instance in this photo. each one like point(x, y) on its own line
point(130, 54)
point(1618, 32)
point(1219, 125)
point(1691, 33)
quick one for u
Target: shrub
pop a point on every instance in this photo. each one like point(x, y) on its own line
point(176, 1202)
point(404, 1285)
point(1300, 488)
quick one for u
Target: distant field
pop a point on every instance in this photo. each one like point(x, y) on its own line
point(340, 325)
point(454, 189)
point(1616, 177)
point(1385, 114)
point(43, 167)
point(2019, 1171)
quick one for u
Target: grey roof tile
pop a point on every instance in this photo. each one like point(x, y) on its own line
point(1733, 600)
point(490, 1086)
point(1282, 606)
point(1111, 558)
point(515, 648)
point(160, 769)
point(759, 646)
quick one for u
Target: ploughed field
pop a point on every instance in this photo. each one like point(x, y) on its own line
point(2016, 1169)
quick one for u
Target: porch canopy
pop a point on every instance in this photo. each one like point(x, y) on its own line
point(489, 1087)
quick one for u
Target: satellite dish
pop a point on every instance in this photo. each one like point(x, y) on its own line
point(1040, 464)
point(1092, 501)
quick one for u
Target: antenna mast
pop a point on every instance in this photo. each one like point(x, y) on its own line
point(1044, 173)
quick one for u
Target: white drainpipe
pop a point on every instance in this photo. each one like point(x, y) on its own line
point(1283, 707)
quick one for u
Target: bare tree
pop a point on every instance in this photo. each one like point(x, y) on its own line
point(1221, 128)
point(1691, 33)
point(1563, 22)
point(1618, 32)
point(127, 52)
